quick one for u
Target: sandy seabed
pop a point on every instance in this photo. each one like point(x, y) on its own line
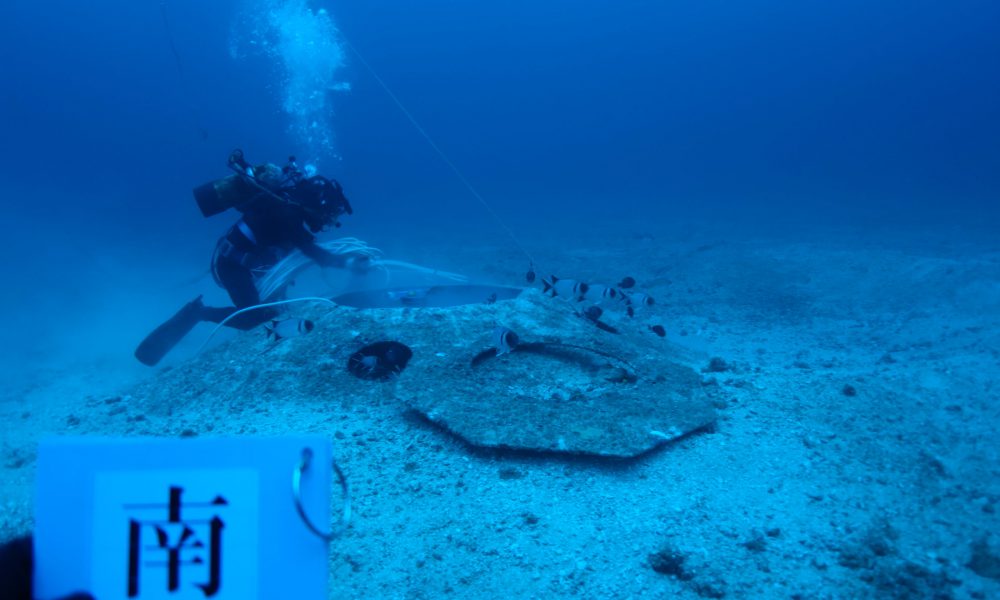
point(855, 453)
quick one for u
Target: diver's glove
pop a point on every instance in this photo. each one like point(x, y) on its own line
point(16, 566)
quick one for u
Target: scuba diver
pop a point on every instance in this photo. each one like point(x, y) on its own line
point(282, 208)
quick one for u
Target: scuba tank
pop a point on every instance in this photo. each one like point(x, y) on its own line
point(220, 195)
point(247, 182)
point(321, 199)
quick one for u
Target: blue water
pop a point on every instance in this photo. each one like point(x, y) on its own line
point(562, 115)
point(662, 105)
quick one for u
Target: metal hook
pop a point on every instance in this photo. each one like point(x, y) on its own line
point(345, 517)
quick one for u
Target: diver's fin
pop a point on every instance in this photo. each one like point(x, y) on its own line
point(158, 343)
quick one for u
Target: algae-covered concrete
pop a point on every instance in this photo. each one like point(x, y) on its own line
point(570, 387)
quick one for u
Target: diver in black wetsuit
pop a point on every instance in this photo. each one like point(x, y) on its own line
point(282, 209)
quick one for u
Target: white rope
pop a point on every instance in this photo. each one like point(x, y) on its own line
point(444, 157)
point(255, 307)
point(278, 276)
point(274, 280)
point(425, 270)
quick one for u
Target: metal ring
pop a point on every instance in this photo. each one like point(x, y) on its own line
point(345, 517)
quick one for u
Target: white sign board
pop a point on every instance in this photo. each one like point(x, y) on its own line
point(154, 519)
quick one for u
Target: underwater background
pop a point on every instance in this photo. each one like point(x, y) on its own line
point(564, 115)
point(723, 150)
